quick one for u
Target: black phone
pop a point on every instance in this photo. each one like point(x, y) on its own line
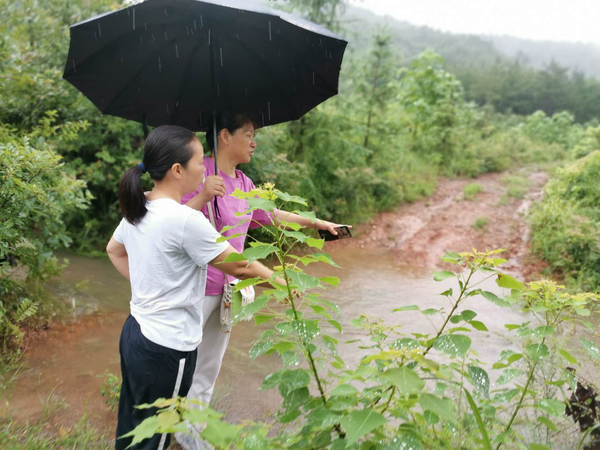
point(343, 232)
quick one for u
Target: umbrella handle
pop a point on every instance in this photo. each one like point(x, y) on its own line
point(217, 212)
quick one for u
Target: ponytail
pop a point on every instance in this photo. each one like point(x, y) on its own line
point(132, 199)
point(165, 146)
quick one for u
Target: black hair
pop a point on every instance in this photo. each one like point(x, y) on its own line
point(230, 121)
point(165, 146)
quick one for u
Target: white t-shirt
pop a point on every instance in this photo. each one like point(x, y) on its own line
point(168, 251)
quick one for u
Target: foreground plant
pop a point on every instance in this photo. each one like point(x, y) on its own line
point(408, 391)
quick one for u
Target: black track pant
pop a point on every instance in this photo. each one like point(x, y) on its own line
point(150, 371)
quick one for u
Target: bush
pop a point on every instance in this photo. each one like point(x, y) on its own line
point(471, 190)
point(37, 193)
point(566, 225)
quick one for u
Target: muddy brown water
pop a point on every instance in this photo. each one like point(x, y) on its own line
point(62, 374)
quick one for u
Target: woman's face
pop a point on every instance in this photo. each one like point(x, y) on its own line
point(241, 144)
point(193, 172)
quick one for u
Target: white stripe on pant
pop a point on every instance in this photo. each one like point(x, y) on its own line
point(175, 393)
point(208, 364)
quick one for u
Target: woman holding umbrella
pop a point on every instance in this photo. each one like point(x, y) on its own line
point(235, 134)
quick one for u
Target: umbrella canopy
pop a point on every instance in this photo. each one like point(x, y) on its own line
point(178, 61)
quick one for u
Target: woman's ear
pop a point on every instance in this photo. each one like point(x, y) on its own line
point(176, 170)
point(225, 136)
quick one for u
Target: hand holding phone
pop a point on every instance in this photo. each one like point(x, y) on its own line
point(342, 233)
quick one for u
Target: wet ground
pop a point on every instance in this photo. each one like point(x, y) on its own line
point(387, 265)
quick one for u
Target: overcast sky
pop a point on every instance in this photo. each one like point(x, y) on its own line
point(556, 20)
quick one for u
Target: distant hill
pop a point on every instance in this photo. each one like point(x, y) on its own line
point(460, 50)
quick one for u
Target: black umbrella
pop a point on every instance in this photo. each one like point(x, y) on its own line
point(180, 62)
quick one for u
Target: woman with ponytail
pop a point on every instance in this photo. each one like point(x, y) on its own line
point(164, 248)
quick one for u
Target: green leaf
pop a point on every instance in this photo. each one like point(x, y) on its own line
point(284, 196)
point(542, 332)
point(508, 282)
point(495, 299)
point(234, 257)
point(538, 447)
point(292, 225)
point(407, 343)
point(478, 325)
point(404, 379)
point(261, 203)
point(487, 445)
point(344, 390)
point(537, 351)
point(453, 345)
point(442, 275)
point(233, 236)
point(259, 252)
point(259, 349)
point(549, 424)
point(570, 358)
point(290, 380)
point(552, 407)
point(451, 257)
point(248, 282)
point(480, 379)
point(325, 258)
point(306, 329)
point(508, 375)
point(258, 319)
point(467, 315)
point(591, 348)
point(297, 235)
point(308, 215)
point(333, 281)
point(442, 407)
point(358, 423)
point(167, 419)
point(336, 324)
point(144, 430)
point(315, 243)
point(220, 434)
point(406, 308)
point(302, 281)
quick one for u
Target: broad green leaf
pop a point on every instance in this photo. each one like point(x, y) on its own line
point(358, 423)
point(306, 329)
point(234, 257)
point(591, 348)
point(308, 215)
point(336, 324)
point(282, 347)
point(406, 308)
point(467, 315)
point(297, 235)
point(168, 418)
point(248, 282)
point(542, 332)
point(508, 375)
point(144, 430)
point(451, 257)
point(549, 424)
point(260, 252)
point(325, 258)
point(442, 407)
point(302, 281)
point(429, 311)
point(407, 343)
point(537, 351)
point(259, 349)
point(478, 325)
point(454, 345)
point(538, 447)
point(495, 299)
point(552, 407)
point(480, 379)
point(290, 380)
point(219, 433)
point(333, 281)
point(344, 390)
point(508, 282)
point(233, 236)
point(315, 243)
point(284, 196)
point(565, 354)
point(292, 225)
point(404, 379)
point(261, 203)
point(258, 319)
point(442, 275)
